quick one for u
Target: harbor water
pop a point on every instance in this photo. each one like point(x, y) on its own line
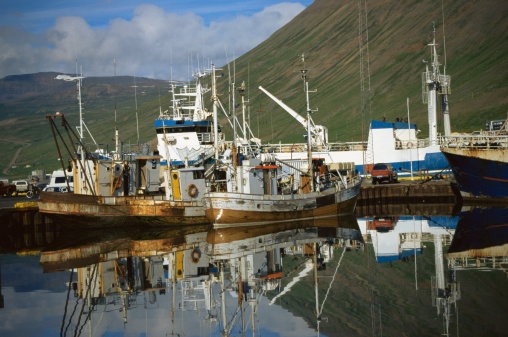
point(407, 270)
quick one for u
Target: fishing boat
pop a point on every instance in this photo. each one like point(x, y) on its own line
point(395, 143)
point(260, 189)
point(124, 190)
point(187, 127)
point(479, 162)
point(123, 187)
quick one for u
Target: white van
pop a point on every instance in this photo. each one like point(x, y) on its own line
point(58, 184)
point(21, 185)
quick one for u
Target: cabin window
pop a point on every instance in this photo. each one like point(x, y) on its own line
point(59, 180)
point(198, 174)
point(191, 128)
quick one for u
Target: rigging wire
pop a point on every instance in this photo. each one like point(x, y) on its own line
point(83, 306)
point(66, 302)
point(330, 285)
point(72, 315)
point(91, 308)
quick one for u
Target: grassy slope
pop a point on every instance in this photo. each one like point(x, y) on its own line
point(23, 120)
point(327, 32)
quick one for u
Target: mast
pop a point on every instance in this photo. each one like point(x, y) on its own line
point(215, 122)
point(309, 130)
point(434, 83)
point(314, 261)
point(309, 143)
point(242, 93)
point(445, 86)
point(223, 298)
point(116, 127)
point(136, 102)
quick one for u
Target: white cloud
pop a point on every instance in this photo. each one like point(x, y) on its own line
point(142, 46)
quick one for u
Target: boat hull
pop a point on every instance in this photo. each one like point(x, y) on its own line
point(93, 211)
point(481, 233)
point(237, 209)
point(480, 173)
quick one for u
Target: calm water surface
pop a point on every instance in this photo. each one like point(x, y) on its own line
point(395, 275)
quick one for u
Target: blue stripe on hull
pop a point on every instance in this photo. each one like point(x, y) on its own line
point(433, 161)
point(480, 177)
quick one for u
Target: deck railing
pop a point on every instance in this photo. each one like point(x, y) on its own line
point(477, 140)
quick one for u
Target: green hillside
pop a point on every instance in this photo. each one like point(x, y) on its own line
point(399, 31)
point(327, 33)
point(26, 99)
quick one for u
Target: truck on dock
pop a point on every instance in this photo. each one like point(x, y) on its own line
point(7, 189)
point(383, 172)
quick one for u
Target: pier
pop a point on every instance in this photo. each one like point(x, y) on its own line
point(409, 192)
point(25, 229)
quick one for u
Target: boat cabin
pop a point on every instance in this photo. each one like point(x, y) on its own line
point(134, 176)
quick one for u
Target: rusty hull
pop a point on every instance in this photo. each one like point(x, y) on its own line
point(237, 209)
point(122, 244)
point(120, 210)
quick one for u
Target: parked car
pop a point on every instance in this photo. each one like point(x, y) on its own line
point(56, 189)
point(383, 172)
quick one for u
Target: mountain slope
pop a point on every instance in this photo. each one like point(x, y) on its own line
point(327, 33)
point(26, 99)
point(399, 32)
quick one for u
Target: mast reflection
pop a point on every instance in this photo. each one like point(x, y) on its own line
point(219, 275)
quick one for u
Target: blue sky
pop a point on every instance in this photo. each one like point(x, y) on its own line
point(145, 38)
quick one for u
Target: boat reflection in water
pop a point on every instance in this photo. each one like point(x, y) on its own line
point(213, 278)
point(390, 274)
point(477, 239)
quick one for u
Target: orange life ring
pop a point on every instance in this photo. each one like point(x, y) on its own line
point(294, 148)
point(195, 255)
point(192, 190)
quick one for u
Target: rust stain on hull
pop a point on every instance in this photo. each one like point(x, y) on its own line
point(125, 210)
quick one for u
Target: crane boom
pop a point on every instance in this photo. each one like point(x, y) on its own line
point(293, 113)
point(318, 133)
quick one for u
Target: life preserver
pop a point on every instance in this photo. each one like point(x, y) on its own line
point(192, 190)
point(195, 255)
point(294, 148)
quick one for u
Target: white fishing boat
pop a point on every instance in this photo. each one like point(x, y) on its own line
point(259, 189)
point(185, 132)
point(394, 143)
